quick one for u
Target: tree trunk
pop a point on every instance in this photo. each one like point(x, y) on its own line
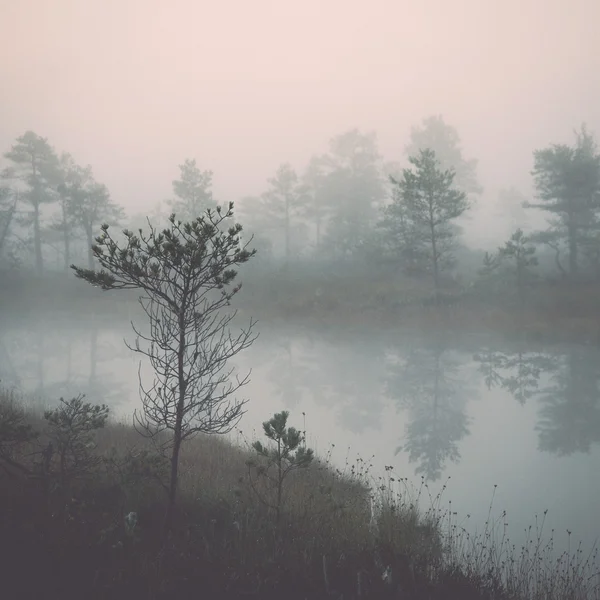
point(10, 213)
point(318, 223)
point(436, 274)
point(90, 241)
point(174, 477)
point(287, 230)
point(572, 232)
point(66, 240)
point(39, 261)
point(520, 282)
point(177, 433)
point(279, 483)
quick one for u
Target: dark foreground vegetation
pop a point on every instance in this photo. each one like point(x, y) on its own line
point(83, 504)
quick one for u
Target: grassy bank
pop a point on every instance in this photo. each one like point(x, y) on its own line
point(89, 526)
point(552, 313)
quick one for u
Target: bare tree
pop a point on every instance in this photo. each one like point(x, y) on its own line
point(185, 273)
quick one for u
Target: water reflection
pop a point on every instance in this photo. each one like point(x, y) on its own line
point(426, 382)
point(290, 373)
point(517, 372)
point(429, 382)
point(432, 407)
point(569, 415)
point(354, 371)
point(49, 362)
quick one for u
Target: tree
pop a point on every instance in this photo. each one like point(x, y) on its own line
point(185, 273)
point(434, 134)
point(255, 228)
point(71, 431)
point(88, 203)
point(69, 174)
point(282, 201)
point(512, 204)
point(15, 432)
point(567, 180)
point(287, 454)
point(518, 252)
point(351, 188)
point(34, 162)
point(316, 207)
point(8, 207)
point(158, 218)
point(400, 236)
point(423, 210)
point(192, 191)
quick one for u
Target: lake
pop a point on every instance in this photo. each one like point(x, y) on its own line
point(470, 413)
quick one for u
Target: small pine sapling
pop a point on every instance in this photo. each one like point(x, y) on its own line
point(287, 454)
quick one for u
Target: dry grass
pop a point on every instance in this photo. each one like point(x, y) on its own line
point(345, 532)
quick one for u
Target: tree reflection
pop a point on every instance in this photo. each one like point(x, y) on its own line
point(569, 417)
point(339, 371)
point(288, 373)
point(427, 383)
point(357, 367)
point(516, 372)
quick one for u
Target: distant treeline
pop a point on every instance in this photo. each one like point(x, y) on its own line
point(348, 207)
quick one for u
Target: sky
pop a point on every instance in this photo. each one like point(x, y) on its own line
point(133, 87)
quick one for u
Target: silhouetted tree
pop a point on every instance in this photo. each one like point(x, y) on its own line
point(282, 202)
point(255, 228)
point(34, 163)
point(287, 453)
point(400, 237)
point(156, 215)
point(8, 207)
point(193, 194)
point(435, 134)
point(519, 256)
point(512, 205)
point(353, 188)
point(424, 208)
point(317, 207)
point(88, 203)
point(66, 223)
point(567, 179)
point(184, 273)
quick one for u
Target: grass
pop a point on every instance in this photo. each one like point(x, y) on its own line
point(345, 532)
point(553, 313)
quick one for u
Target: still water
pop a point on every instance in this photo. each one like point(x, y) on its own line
point(468, 413)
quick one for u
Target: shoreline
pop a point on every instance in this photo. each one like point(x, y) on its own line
point(226, 541)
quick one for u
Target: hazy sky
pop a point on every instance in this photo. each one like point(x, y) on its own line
point(135, 86)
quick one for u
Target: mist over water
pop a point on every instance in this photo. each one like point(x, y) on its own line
point(420, 182)
point(469, 413)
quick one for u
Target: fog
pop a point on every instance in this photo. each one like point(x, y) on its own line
point(135, 86)
point(434, 309)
